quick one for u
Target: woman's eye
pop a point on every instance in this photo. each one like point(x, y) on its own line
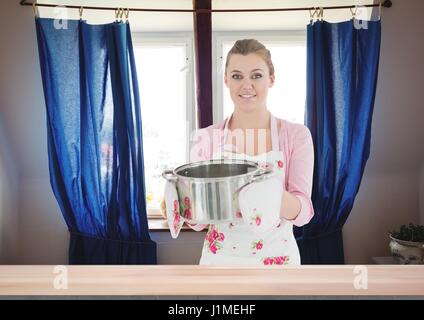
point(236, 76)
point(256, 76)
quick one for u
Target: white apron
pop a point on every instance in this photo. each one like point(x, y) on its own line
point(258, 236)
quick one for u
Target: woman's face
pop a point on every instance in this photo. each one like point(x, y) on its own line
point(248, 79)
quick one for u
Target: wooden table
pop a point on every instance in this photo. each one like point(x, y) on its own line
point(197, 280)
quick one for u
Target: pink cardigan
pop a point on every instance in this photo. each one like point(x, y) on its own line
point(297, 147)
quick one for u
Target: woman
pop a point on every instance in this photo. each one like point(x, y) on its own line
point(253, 133)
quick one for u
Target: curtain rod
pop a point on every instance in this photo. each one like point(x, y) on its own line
point(384, 3)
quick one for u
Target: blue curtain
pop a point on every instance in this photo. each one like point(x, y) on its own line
point(342, 68)
point(95, 140)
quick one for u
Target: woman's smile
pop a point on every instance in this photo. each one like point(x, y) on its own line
point(247, 96)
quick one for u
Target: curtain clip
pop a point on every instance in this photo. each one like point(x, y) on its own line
point(35, 9)
point(81, 10)
point(117, 12)
point(312, 14)
point(127, 13)
point(380, 4)
point(320, 14)
point(354, 12)
point(121, 14)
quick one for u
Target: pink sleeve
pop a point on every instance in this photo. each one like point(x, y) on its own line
point(300, 173)
point(199, 151)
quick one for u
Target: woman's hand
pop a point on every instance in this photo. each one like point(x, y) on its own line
point(163, 209)
point(290, 206)
point(195, 227)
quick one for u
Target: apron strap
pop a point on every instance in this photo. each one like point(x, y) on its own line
point(224, 136)
point(275, 138)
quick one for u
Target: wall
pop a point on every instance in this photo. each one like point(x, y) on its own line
point(422, 195)
point(385, 201)
point(389, 194)
point(39, 234)
point(9, 232)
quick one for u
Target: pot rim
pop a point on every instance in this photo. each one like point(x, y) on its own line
point(416, 244)
point(220, 161)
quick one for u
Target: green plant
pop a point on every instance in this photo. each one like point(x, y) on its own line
point(411, 232)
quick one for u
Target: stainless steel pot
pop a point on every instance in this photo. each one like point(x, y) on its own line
point(208, 190)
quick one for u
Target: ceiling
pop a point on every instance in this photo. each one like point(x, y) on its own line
point(170, 21)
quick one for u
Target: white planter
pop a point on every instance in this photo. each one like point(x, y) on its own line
point(407, 252)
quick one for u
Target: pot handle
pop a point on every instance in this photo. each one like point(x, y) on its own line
point(261, 175)
point(169, 175)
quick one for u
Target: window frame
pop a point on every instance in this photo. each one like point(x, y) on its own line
point(152, 39)
point(288, 37)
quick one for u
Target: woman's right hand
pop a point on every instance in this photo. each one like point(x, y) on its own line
point(163, 209)
point(195, 227)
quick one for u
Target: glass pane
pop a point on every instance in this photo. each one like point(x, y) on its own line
point(162, 81)
point(286, 99)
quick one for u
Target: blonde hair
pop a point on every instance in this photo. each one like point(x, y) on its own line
point(247, 46)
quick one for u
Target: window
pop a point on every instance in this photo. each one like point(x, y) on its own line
point(287, 97)
point(166, 86)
